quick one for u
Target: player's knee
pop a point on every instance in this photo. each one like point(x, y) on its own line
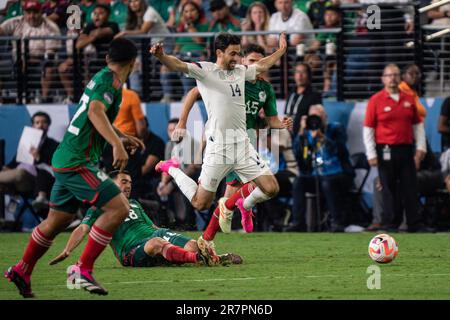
point(126, 208)
point(272, 188)
point(154, 246)
point(123, 210)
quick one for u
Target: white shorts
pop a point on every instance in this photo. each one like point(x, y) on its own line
point(221, 159)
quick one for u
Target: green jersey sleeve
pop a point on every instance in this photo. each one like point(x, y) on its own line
point(270, 106)
point(105, 94)
point(91, 216)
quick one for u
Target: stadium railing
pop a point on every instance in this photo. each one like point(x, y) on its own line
point(20, 80)
point(357, 60)
point(436, 62)
point(371, 40)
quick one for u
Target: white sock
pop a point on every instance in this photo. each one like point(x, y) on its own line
point(186, 184)
point(255, 197)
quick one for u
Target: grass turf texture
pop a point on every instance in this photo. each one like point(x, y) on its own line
point(276, 266)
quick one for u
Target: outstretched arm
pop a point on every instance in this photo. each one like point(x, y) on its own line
point(75, 239)
point(171, 62)
point(266, 63)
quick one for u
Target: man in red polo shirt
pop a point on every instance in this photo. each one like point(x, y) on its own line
point(394, 138)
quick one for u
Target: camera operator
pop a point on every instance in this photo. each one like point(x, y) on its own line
point(322, 157)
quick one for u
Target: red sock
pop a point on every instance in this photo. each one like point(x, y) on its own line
point(243, 192)
point(97, 242)
point(36, 248)
point(213, 226)
point(178, 255)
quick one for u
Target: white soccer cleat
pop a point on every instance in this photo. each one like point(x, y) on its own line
point(225, 216)
point(207, 250)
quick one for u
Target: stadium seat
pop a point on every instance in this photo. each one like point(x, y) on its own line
point(25, 205)
point(316, 216)
point(359, 213)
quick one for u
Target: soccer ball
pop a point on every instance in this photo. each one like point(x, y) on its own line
point(383, 248)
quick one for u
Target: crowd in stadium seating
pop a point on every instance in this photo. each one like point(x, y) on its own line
point(147, 17)
point(104, 20)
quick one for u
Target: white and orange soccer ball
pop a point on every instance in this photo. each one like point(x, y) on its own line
point(383, 248)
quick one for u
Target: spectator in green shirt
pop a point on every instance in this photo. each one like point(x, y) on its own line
point(332, 19)
point(164, 7)
point(14, 9)
point(119, 13)
point(223, 20)
point(302, 5)
point(87, 7)
point(186, 48)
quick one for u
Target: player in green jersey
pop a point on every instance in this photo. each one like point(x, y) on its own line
point(259, 94)
point(138, 242)
point(77, 178)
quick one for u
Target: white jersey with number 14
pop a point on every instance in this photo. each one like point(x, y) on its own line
point(224, 97)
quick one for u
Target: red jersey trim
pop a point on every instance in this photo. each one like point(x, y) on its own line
point(66, 169)
point(91, 202)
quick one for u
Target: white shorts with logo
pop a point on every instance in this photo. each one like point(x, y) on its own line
point(220, 159)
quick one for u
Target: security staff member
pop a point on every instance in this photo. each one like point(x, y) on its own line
point(391, 127)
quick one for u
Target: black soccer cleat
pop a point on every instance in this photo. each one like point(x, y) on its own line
point(21, 283)
point(85, 279)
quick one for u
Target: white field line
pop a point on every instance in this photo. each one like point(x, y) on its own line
point(273, 278)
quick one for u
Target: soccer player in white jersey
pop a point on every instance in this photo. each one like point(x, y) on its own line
point(228, 148)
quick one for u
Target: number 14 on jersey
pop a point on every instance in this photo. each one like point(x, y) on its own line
point(235, 91)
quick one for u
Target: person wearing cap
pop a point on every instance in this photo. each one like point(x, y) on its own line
point(316, 11)
point(223, 20)
point(97, 35)
point(41, 52)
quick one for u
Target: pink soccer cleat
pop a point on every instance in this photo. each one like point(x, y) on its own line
point(22, 281)
point(247, 216)
point(83, 278)
point(164, 166)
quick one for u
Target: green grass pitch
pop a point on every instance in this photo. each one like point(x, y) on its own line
point(276, 266)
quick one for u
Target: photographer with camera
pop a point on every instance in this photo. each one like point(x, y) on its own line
point(325, 168)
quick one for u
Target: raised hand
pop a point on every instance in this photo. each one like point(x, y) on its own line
point(178, 134)
point(282, 43)
point(157, 50)
point(132, 143)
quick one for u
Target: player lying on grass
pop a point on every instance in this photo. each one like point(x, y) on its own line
point(77, 177)
point(259, 94)
point(138, 242)
point(222, 87)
